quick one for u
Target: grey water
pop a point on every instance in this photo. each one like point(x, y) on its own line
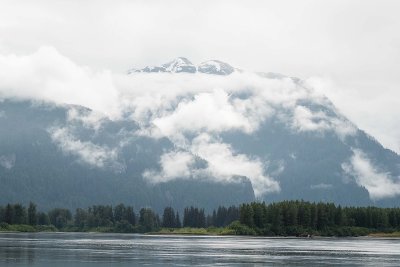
point(97, 249)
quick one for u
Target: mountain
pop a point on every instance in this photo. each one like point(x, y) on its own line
point(204, 135)
point(182, 64)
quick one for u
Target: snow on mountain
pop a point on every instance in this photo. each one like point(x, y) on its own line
point(215, 67)
point(182, 64)
point(148, 69)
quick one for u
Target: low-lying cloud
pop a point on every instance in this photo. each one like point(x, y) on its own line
point(174, 165)
point(380, 184)
point(213, 112)
point(46, 75)
point(87, 152)
point(305, 120)
point(223, 164)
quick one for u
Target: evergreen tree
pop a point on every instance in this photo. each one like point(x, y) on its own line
point(314, 216)
point(178, 223)
point(214, 221)
point(258, 214)
point(60, 217)
point(304, 215)
point(9, 214)
point(168, 219)
point(2, 213)
point(20, 216)
point(194, 217)
point(80, 218)
point(32, 216)
point(247, 215)
point(276, 213)
point(119, 212)
point(322, 217)
point(201, 219)
point(130, 215)
point(339, 220)
point(291, 215)
point(147, 220)
point(43, 218)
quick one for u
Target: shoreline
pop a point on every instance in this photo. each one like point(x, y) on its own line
point(386, 235)
point(218, 232)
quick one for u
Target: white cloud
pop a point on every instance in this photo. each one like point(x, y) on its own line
point(224, 164)
point(306, 120)
point(88, 118)
point(87, 152)
point(379, 184)
point(174, 165)
point(150, 96)
point(46, 75)
point(211, 112)
point(7, 161)
point(372, 105)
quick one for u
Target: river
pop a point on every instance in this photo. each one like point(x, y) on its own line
point(98, 249)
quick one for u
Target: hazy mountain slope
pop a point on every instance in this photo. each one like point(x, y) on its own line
point(204, 135)
point(34, 168)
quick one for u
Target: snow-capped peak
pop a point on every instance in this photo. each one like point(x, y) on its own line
point(147, 69)
point(180, 64)
point(215, 67)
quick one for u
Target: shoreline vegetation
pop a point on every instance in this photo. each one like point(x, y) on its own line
point(281, 219)
point(210, 231)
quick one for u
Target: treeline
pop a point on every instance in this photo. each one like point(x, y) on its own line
point(293, 218)
point(303, 218)
point(18, 214)
point(120, 218)
point(106, 218)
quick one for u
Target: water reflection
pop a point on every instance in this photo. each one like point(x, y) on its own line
point(93, 249)
point(14, 252)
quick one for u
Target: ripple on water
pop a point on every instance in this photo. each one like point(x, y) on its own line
point(94, 249)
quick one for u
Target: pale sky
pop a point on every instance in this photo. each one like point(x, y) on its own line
point(350, 50)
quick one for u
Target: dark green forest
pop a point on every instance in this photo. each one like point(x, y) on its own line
point(287, 218)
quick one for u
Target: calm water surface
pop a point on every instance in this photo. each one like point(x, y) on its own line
point(94, 249)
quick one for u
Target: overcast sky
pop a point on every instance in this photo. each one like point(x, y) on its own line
point(350, 50)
